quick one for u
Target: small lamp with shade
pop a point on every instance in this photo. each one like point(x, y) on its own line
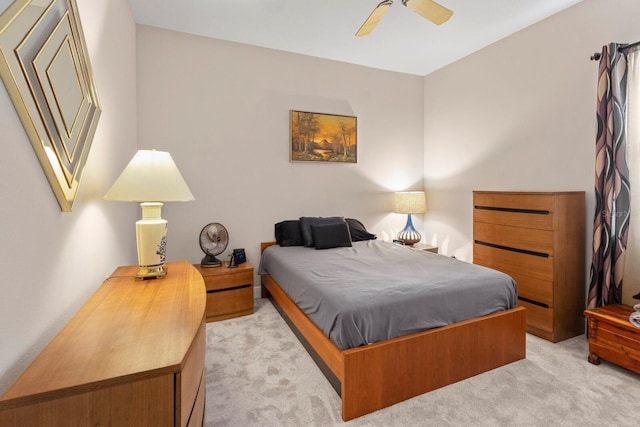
point(409, 202)
point(151, 177)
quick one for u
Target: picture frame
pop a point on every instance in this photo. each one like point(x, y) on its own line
point(45, 67)
point(321, 137)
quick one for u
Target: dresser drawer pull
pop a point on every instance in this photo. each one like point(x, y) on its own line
point(508, 248)
point(530, 301)
point(528, 211)
point(212, 291)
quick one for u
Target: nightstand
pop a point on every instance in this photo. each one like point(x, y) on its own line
point(229, 291)
point(425, 247)
point(612, 337)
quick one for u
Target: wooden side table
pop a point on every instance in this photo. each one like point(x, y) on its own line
point(612, 337)
point(425, 247)
point(229, 291)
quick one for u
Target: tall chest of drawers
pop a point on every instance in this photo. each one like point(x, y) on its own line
point(538, 238)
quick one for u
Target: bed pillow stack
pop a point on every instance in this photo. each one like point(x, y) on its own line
point(307, 222)
point(328, 236)
point(321, 232)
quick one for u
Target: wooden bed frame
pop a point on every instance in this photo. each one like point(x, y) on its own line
point(375, 376)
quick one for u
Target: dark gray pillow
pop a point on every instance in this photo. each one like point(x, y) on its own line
point(307, 221)
point(288, 233)
point(358, 231)
point(327, 236)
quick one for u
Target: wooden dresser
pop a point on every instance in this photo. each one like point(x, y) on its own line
point(133, 355)
point(539, 240)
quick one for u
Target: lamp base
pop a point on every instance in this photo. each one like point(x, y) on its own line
point(409, 240)
point(409, 235)
point(147, 273)
point(151, 237)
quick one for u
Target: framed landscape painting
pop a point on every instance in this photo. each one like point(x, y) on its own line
point(318, 137)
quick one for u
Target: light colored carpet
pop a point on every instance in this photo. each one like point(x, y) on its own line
point(258, 374)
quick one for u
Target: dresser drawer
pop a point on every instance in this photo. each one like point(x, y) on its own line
point(531, 288)
point(197, 414)
point(510, 262)
point(518, 201)
point(539, 320)
point(520, 239)
point(191, 376)
point(537, 290)
point(513, 219)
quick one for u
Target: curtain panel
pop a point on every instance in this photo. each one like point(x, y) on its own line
point(632, 269)
point(612, 189)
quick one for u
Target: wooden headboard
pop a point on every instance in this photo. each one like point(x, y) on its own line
point(265, 245)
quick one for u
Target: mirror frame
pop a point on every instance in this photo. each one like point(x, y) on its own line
point(45, 67)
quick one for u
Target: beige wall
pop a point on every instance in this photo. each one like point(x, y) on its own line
point(50, 261)
point(518, 115)
point(222, 110)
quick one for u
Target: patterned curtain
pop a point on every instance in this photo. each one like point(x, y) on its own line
point(611, 222)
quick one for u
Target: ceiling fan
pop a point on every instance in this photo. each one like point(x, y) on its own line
point(428, 9)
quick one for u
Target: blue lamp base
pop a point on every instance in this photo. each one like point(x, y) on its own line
point(409, 235)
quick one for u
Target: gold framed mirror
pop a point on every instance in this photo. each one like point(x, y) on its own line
point(45, 67)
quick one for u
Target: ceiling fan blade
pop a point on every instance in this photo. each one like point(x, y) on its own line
point(430, 10)
point(374, 18)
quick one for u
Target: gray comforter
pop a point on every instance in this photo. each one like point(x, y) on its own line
point(376, 290)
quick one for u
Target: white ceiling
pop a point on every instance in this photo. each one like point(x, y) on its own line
point(403, 41)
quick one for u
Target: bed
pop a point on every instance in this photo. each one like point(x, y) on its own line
point(371, 372)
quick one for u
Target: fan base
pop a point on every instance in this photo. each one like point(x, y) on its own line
point(210, 261)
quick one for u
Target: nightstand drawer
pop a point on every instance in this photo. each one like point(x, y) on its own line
point(228, 303)
point(227, 281)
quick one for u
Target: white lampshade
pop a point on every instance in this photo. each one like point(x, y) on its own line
point(410, 202)
point(151, 176)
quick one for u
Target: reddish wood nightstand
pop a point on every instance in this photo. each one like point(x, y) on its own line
point(229, 291)
point(612, 337)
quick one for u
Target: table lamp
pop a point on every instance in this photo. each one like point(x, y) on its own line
point(151, 177)
point(409, 202)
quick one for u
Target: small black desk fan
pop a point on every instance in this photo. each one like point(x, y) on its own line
point(213, 241)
